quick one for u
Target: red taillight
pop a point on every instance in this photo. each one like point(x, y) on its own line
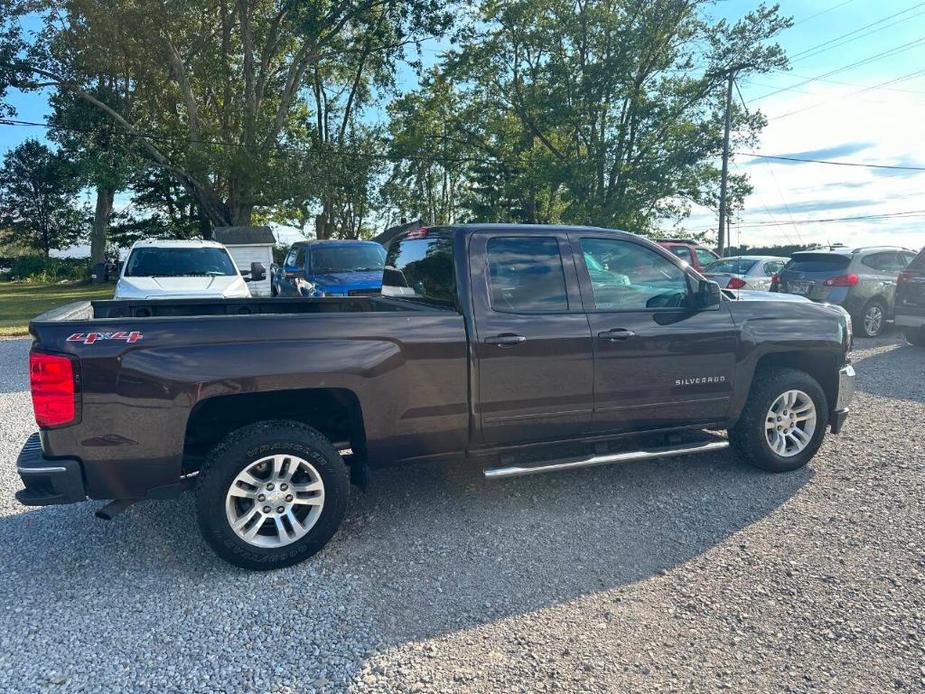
point(735, 283)
point(905, 276)
point(52, 381)
point(775, 278)
point(842, 281)
point(291, 275)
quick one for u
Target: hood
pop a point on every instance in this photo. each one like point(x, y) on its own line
point(345, 281)
point(752, 295)
point(225, 286)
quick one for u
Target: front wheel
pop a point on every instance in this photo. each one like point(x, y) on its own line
point(784, 421)
point(271, 495)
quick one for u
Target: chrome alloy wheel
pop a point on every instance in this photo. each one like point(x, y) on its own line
point(873, 320)
point(790, 423)
point(275, 501)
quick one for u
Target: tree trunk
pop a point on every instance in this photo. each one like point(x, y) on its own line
point(105, 196)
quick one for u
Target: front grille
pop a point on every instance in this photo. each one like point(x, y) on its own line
point(364, 292)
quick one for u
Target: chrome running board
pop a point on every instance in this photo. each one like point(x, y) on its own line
point(607, 459)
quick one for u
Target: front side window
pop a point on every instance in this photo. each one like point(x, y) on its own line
point(525, 275)
point(179, 262)
point(626, 276)
point(327, 259)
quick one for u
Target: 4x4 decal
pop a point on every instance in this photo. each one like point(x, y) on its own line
point(130, 337)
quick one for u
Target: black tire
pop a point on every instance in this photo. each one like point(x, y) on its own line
point(748, 437)
point(241, 448)
point(861, 324)
point(915, 336)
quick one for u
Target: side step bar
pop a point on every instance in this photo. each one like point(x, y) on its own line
point(607, 459)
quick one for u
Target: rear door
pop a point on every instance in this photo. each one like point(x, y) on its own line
point(910, 293)
point(658, 363)
point(533, 342)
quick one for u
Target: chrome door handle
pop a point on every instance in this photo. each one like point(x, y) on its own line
point(616, 334)
point(505, 340)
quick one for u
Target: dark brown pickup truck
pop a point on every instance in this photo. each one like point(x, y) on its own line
point(523, 348)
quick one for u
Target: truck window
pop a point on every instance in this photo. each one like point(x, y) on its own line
point(704, 256)
point(684, 253)
point(628, 277)
point(525, 275)
point(420, 266)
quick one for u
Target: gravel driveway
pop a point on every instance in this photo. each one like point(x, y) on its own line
point(689, 574)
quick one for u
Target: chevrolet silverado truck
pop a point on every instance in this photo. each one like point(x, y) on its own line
point(521, 349)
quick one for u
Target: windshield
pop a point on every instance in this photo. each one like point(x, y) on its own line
point(730, 266)
point(347, 259)
point(179, 262)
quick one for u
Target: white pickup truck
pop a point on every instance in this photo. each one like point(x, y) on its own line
point(183, 269)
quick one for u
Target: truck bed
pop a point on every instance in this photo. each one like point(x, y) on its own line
point(173, 308)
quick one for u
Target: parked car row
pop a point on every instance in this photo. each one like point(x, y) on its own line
point(874, 284)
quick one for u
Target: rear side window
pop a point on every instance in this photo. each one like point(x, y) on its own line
point(525, 275)
point(420, 267)
point(818, 262)
point(881, 261)
point(918, 263)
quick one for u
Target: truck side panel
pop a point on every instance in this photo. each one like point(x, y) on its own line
point(408, 372)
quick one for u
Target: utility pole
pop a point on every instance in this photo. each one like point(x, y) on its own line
point(721, 241)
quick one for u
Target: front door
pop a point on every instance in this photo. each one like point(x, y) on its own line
point(658, 362)
point(533, 344)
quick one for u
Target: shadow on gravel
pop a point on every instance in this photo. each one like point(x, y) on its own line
point(427, 550)
point(897, 373)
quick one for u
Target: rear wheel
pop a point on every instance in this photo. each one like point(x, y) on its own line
point(271, 495)
point(915, 336)
point(872, 318)
point(784, 421)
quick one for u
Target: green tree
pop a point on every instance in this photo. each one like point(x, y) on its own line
point(607, 112)
point(38, 196)
point(220, 88)
point(100, 151)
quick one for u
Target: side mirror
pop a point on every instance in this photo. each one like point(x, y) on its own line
point(709, 295)
point(258, 273)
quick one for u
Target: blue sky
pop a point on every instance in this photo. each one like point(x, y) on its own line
point(843, 116)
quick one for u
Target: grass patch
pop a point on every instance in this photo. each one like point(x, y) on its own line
point(21, 302)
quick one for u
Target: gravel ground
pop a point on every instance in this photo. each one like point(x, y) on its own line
point(690, 574)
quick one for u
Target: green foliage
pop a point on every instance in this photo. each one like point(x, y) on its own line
point(38, 194)
point(581, 112)
point(36, 268)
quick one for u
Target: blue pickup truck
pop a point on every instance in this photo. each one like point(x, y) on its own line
point(331, 268)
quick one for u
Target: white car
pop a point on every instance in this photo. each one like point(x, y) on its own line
point(183, 270)
point(745, 271)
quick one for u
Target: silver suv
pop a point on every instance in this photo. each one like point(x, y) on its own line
point(860, 280)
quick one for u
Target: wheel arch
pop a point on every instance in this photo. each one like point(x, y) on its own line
point(822, 366)
point(335, 412)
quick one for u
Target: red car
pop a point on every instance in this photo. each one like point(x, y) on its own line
point(691, 252)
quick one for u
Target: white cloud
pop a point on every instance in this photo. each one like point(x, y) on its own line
point(879, 126)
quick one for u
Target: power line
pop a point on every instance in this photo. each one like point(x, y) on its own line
point(895, 80)
point(878, 56)
point(869, 217)
point(855, 34)
point(832, 163)
point(819, 14)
